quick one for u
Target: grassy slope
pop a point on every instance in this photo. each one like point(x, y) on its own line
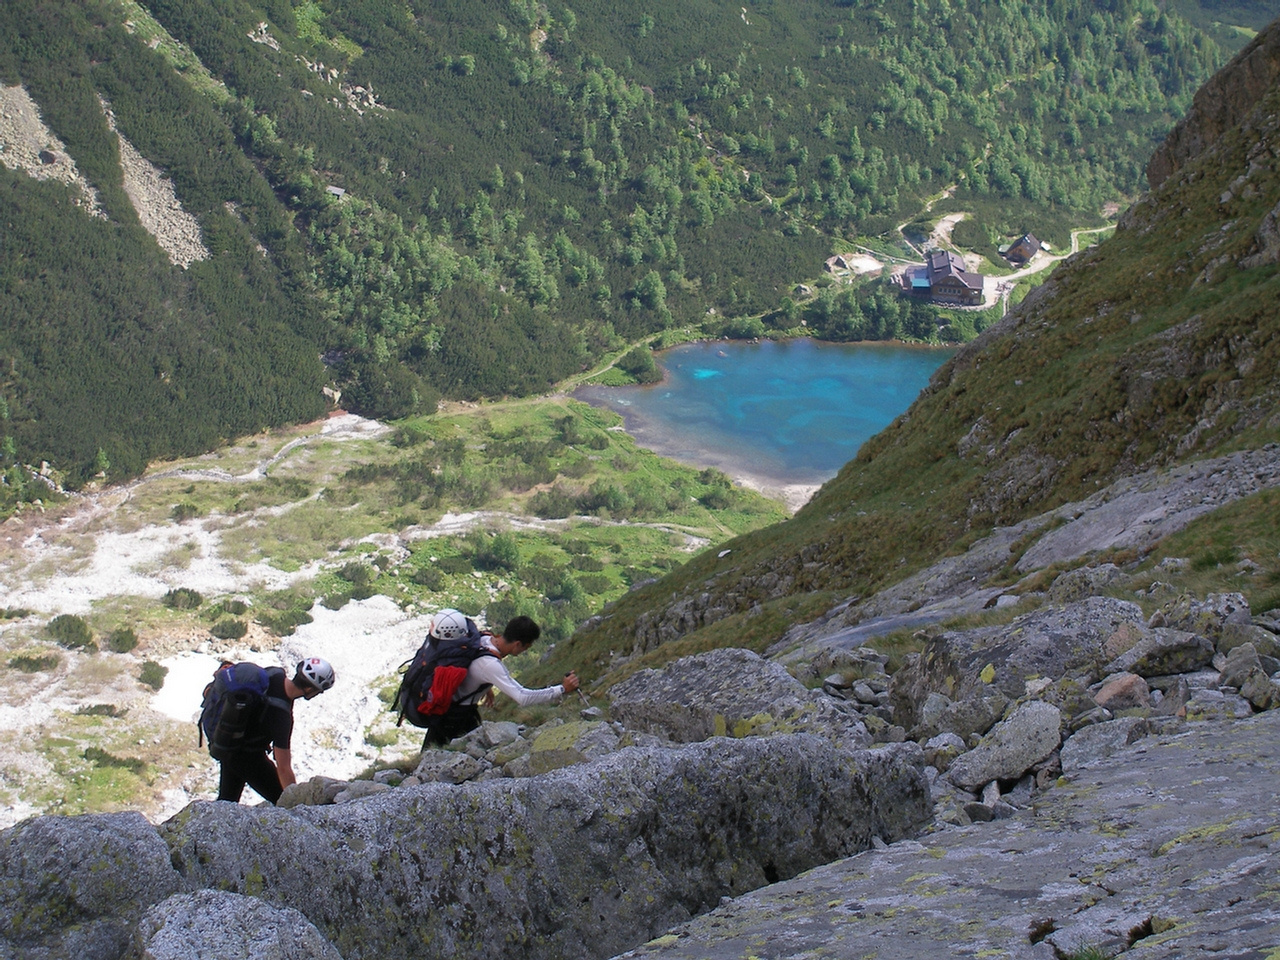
point(1152, 348)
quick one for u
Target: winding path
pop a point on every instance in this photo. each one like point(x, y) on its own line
point(1001, 287)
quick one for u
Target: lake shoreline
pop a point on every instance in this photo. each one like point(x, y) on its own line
point(777, 429)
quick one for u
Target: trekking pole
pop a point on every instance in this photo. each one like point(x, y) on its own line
point(582, 695)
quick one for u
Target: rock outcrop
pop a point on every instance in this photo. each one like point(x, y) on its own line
point(731, 692)
point(215, 925)
point(579, 863)
point(1166, 850)
point(1219, 105)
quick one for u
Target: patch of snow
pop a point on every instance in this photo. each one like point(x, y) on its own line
point(365, 642)
point(184, 685)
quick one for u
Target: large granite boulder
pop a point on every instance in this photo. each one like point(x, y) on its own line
point(216, 925)
point(579, 863)
point(577, 741)
point(733, 693)
point(1047, 644)
point(1163, 651)
point(1166, 851)
point(1207, 617)
point(75, 886)
point(1096, 742)
point(1016, 744)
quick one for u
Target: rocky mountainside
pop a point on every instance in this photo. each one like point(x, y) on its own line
point(1085, 777)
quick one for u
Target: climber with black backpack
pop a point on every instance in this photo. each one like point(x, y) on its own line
point(457, 667)
point(248, 710)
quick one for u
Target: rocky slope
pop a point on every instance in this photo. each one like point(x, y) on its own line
point(577, 863)
point(1082, 776)
point(1169, 850)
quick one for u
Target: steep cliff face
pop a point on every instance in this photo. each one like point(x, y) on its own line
point(1219, 105)
point(1156, 347)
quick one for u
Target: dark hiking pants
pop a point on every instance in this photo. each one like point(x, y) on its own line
point(251, 767)
point(458, 719)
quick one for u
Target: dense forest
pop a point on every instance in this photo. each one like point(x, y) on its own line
point(462, 199)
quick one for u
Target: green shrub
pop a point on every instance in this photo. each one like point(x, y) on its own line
point(429, 576)
point(122, 640)
point(34, 663)
point(71, 632)
point(14, 613)
point(499, 552)
point(639, 364)
point(229, 628)
point(153, 674)
point(717, 498)
point(335, 601)
point(236, 608)
point(182, 599)
point(595, 583)
point(101, 758)
point(102, 710)
point(284, 622)
point(183, 511)
point(357, 573)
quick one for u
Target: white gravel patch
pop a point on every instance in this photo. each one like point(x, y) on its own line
point(189, 672)
point(134, 564)
point(365, 642)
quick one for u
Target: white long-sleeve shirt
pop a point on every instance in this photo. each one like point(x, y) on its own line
point(490, 670)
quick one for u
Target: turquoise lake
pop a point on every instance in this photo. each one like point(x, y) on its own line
point(777, 413)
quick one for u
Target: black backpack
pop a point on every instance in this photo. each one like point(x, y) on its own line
point(235, 706)
point(434, 675)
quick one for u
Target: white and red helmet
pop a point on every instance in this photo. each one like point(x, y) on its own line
point(317, 672)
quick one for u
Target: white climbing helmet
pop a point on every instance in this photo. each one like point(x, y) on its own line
point(317, 672)
point(449, 625)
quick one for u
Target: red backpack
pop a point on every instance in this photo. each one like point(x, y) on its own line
point(434, 674)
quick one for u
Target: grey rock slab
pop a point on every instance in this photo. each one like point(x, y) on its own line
point(1085, 582)
point(1132, 513)
point(1136, 512)
point(729, 691)
point(1046, 644)
point(1014, 745)
point(74, 885)
point(1174, 843)
point(216, 925)
point(1241, 661)
point(1099, 741)
point(1163, 651)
